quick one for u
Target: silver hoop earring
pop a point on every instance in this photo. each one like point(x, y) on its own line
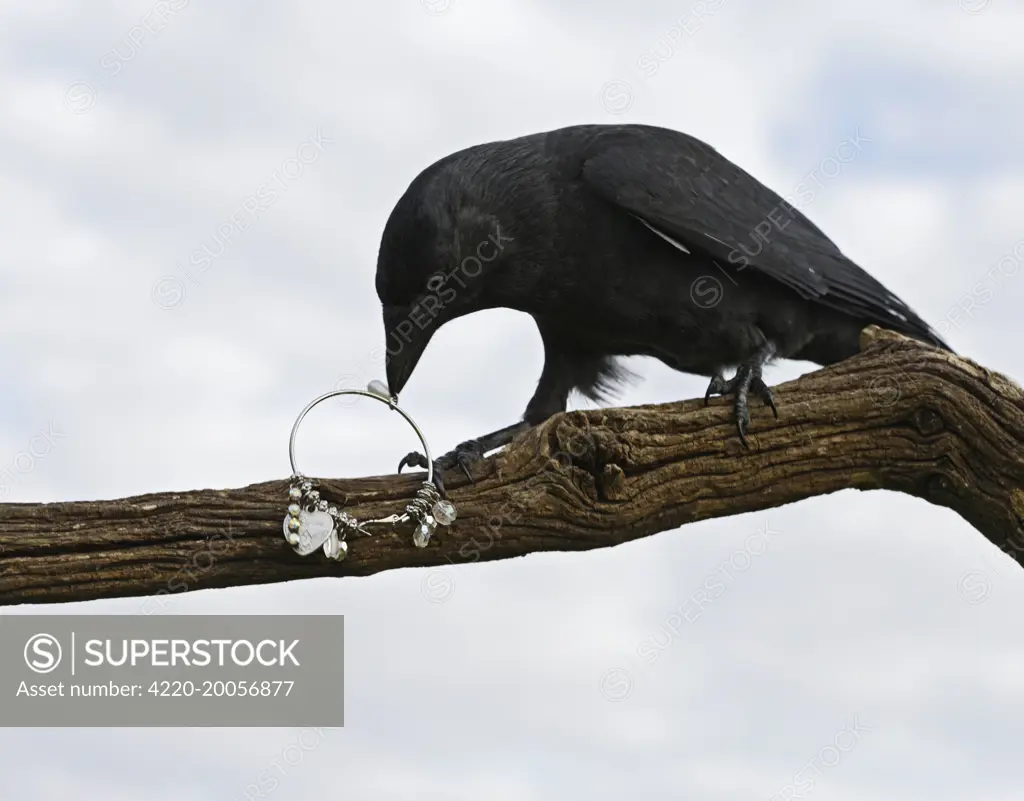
point(313, 522)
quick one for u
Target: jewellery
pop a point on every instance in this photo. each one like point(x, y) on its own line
point(313, 521)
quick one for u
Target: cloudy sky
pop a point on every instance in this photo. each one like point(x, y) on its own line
point(873, 644)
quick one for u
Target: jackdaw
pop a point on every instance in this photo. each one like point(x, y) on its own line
point(620, 240)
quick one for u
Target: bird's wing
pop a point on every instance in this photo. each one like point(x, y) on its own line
point(687, 191)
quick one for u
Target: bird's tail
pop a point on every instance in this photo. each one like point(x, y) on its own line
point(612, 377)
point(841, 340)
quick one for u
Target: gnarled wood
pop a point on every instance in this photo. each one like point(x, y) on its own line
point(900, 416)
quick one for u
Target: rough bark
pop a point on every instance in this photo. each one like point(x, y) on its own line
point(899, 416)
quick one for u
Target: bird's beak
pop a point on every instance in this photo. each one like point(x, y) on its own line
point(406, 334)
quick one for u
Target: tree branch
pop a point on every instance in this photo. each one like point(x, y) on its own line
point(899, 416)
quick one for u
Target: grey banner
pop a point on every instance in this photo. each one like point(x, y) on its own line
point(172, 670)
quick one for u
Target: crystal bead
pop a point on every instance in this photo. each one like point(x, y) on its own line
point(421, 536)
point(292, 523)
point(293, 509)
point(444, 513)
point(295, 494)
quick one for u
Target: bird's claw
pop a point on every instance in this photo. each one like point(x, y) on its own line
point(764, 392)
point(416, 459)
point(718, 386)
point(742, 384)
point(462, 456)
point(413, 459)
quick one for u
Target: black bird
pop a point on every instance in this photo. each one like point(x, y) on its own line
point(620, 240)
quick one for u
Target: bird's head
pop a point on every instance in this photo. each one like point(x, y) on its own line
point(426, 277)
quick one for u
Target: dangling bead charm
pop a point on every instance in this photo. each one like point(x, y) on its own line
point(291, 528)
point(421, 537)
point(444, 512)
point(335, 548)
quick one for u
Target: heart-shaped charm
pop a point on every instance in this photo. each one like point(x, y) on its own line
point(315, 528)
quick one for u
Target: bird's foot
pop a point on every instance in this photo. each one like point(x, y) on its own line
point(747, 380)
point(462, 455)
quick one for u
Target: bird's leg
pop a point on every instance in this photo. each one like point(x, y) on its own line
point(747, 379)
point(561, 372)
point(465, 453)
